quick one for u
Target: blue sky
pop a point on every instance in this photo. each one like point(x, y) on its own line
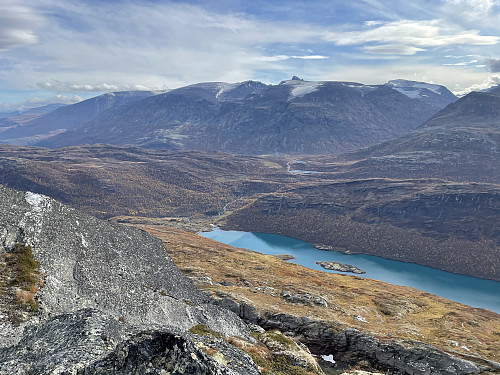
point(65, 51)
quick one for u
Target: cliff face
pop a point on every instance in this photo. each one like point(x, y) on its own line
point(121, 277)
point(450, 226)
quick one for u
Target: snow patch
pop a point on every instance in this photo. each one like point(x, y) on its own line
point(328, 358)
point(428, 86)
point(304, 88)
point(413, 89)
point(414, 94)
point(84, 241)
point(364, 89)
point(224, 87)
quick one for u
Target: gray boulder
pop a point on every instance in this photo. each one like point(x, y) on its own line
point(89, 342)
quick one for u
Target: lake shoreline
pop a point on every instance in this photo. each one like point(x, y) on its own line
point(472, 291)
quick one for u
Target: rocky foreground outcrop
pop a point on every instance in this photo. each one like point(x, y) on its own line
point(103, 283)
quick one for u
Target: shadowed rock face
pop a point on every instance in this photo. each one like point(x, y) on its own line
point(350, 346)
point(88, 263)
point(85, 342)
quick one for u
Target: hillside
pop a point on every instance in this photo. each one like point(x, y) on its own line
point(294, 117)
point(275, 289)
point(459, 143)
point(157, 183)
point(194, 189)
point(26, 131)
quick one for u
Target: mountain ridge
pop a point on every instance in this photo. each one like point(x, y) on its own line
point(66, 117)
point(295, 116)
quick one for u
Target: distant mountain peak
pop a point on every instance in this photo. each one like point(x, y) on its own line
point(431, 93)
point(403, 84)
point(295, 78)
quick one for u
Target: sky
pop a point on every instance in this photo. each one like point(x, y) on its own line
point(56, 51)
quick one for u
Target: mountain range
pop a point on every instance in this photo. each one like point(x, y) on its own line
point(294, 117)
point(460, 143)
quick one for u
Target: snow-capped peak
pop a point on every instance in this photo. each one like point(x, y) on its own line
point(304, 88)
point(414, 89)
point(429, 93)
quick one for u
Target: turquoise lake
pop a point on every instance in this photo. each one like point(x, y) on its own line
point(465, 289)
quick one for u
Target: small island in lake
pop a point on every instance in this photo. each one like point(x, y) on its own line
point(336, 266)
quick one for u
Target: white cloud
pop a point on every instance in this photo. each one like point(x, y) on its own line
point(410, 33)
point(287, 57)
point(392, 49)
point(491, 80)
point(34, 102)
point(78, 46)
point(18, 25)
point(373, 23)
point(472, 9)
point(66, 87)
point(150, 44)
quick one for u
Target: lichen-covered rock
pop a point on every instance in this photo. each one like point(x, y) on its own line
point(89, 342)
point(63, 344)
point(103, 282)
point(297, 354)
point(91, 263)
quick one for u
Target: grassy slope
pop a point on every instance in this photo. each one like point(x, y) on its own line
point(390, 311)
